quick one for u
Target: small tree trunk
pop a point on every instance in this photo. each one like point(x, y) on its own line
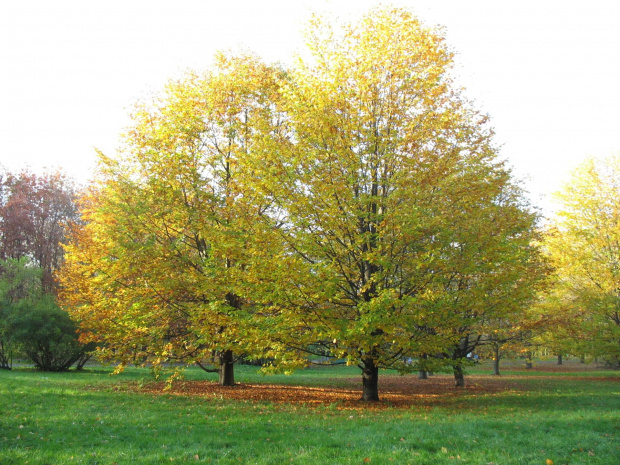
point(370, 381)
point(6, 358)
point(528, 361)
point(459, 353)
point(496, 371)
point(79, 364)
point(227, 368)
point(459, 378)
point(423, 374)
point(560, 359)
point(496, 357)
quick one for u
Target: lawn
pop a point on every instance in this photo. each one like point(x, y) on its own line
point(524, 417)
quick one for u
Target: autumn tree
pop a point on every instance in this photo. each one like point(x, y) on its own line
point(584, 246)
point(558, 320)
point(162, 265)
point(34, 212)
point(491, 283)
point(404, 224)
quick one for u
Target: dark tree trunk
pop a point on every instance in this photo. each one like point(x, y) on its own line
point(370, 381)
point(459, 378)
point(459, 353)
point(423, 374)
point(227, 368)
point(559, 359)
point(79, 364)
point(496, 361)
point(528, 361)
point(6, 359)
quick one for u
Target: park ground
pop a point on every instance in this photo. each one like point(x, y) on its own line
point(567, 414)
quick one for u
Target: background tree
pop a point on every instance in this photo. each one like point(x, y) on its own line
point(491, 282)
point(584, 246)
point(34, 213)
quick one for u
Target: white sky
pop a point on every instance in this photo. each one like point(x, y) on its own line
point(547, 71)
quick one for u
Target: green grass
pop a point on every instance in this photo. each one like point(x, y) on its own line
point(88, 418)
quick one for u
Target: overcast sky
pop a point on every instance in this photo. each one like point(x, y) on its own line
point(547, 72)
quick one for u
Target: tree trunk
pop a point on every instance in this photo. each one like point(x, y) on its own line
point(528, 361)
point(370, 381)
point(79, 364)
point(459, 378)
point(496, 361)
point(227, 368)
point(560, 359)
point(6, 358)
point(423, 374)
point(459, 354)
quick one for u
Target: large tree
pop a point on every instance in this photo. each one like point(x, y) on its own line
point(161, 266)
point(406, 226)
point(584, 246)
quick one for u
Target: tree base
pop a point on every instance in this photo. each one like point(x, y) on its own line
point(370, 381)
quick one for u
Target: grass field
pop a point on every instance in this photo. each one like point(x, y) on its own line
point(533, 417)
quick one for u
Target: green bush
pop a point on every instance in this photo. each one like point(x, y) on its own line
point(33, 324)
point(47, 335)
